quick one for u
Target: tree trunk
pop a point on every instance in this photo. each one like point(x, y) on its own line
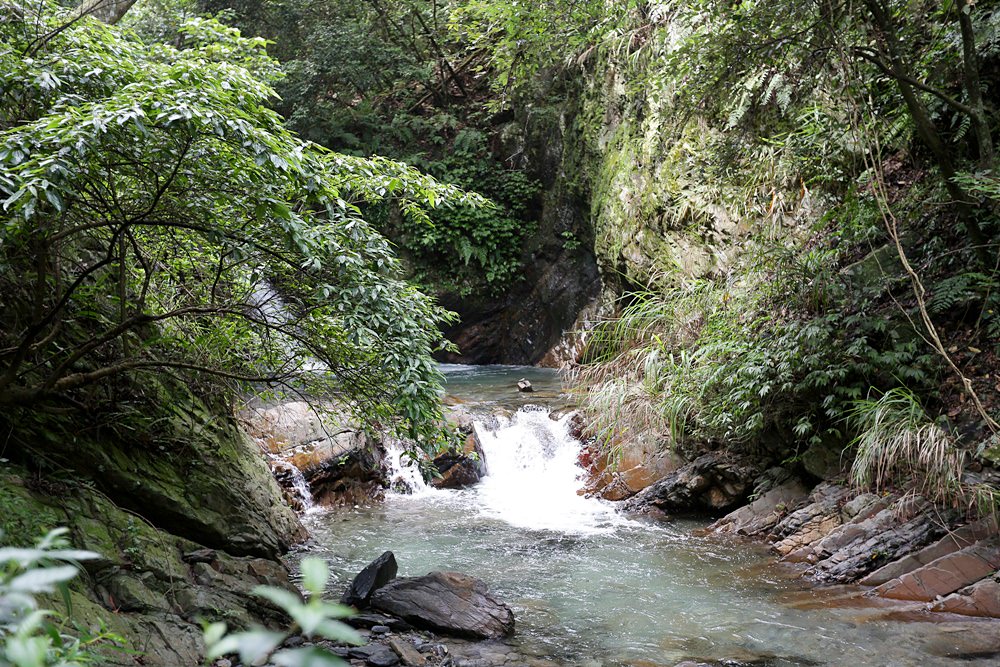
point(970, 61)
point(928, 132)
point(109, 11)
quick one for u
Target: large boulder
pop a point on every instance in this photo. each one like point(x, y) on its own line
point(322, 445)
point(447, 602)
point(376, 574)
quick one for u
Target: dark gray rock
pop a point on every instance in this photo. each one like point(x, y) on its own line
point(377, 574)
point(383, 657)
point(363, 652)
point(448, 602)
point(717, 481)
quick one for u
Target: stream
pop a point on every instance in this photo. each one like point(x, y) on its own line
point(591, 587)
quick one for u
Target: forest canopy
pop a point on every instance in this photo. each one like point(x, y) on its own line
point(153, 207)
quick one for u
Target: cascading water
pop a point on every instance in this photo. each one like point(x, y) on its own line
point(588, 586)
point(534, 477)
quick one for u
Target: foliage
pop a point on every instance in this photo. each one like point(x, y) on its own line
point(390, 79)
point(472, 249)
point(150, 200)
point(314, 619)
point(899, 444)
point(29, 635)
point(779, 354)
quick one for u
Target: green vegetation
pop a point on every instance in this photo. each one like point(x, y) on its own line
point(392, 78)
point(314, 619)
point(31, 636)
point(151, 198)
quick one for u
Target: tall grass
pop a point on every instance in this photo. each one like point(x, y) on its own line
point(899, 445)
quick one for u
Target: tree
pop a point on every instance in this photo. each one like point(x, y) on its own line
point(150, 202)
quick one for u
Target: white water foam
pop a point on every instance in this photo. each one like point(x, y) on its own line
point(405, 477)
point(534, 477)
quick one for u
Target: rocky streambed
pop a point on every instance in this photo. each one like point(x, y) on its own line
point(774, 582)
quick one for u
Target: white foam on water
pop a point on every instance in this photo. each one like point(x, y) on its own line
point(405, 477)
point(533, 477)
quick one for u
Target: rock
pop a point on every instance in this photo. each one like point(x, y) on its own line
point(880, 539)
point(199, 556)
point(410, 656)
point(947, 574)
point(950, 543)
point(824, 460)
point(380, 629)
point(524, 385)
point(980, 599)
point(459, 469)
point(810, 523)
point(712, 482)
point(448, 602)
point(375, 575)
point(363, 652)
point(763, 513)
point(340, 462)
point(383, 657)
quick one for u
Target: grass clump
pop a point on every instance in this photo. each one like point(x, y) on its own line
point(898, 444)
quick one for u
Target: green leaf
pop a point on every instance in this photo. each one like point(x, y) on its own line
point(314, 575)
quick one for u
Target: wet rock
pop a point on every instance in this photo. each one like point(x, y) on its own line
point(712, 482)
point(524, 385)
point(375, 575)
point(947, 574)
point(980, 599)
point(810, 523)
point(883, 539)
point(448, 602)
point(338, 460)
point(460, 469)
point(957, 539)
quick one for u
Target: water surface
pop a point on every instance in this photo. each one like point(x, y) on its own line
point(589, 586)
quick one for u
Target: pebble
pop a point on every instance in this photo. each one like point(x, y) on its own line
point(380, 629)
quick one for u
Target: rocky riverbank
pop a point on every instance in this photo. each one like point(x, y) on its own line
point(898, 546)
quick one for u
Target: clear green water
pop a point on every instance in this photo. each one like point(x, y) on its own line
point(591, 587)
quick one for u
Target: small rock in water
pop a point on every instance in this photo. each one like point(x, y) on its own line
point(524, 385)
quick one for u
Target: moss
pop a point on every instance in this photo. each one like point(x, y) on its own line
point(25, 519)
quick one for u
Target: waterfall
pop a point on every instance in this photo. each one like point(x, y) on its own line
point(405, 477)
point(291, 478)
point(534, 477)
point(301, 488)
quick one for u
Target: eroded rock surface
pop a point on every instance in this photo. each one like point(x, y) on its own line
point(448, 602)
point(713, 482)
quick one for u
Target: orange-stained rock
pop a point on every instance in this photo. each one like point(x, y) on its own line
point(946, 574)
point(980, 599)
point(950, 543)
